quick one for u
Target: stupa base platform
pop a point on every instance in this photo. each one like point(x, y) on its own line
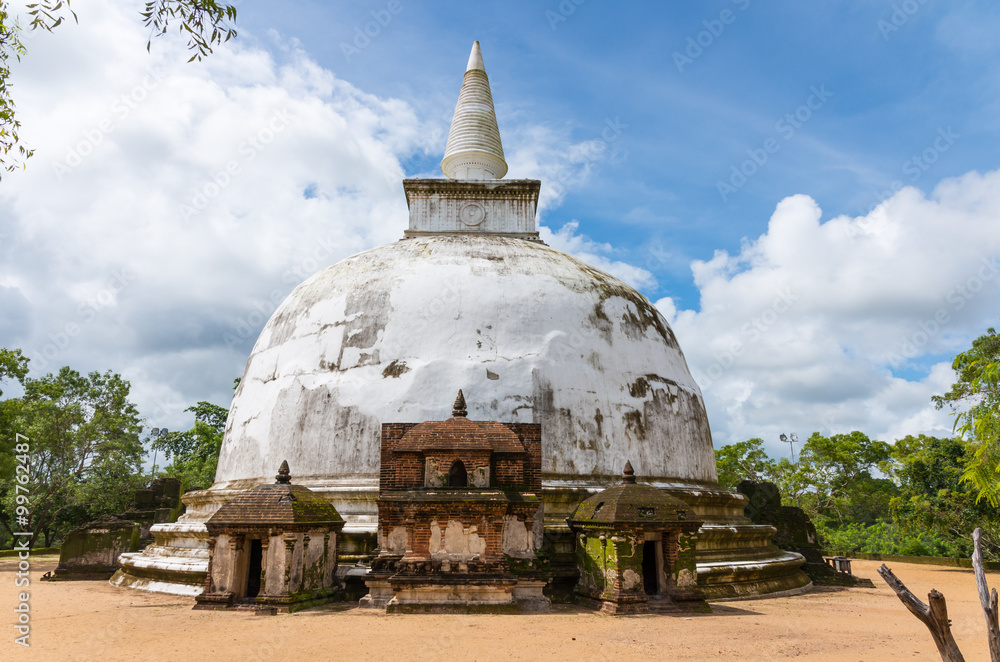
point(735, 559)
point(176, 563)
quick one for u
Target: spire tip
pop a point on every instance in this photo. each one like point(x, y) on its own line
point(476, 58)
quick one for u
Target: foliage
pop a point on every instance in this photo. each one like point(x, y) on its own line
point(12, 364)
point(975, 398)
point(195, 452)
point(206, 23)
point(12, 152)
point(838, 467)
point(744, 460)
point(933, 496)
point(85, 451)
point(886, 537)
point(832, 477)
point(865, 495)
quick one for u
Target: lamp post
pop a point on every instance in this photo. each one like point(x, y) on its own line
point(154, 435)
point(791, 441)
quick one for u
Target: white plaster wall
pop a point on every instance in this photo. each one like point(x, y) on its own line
point(514, 540)
point(396, 542)
point(455, 541)
point(530, 334)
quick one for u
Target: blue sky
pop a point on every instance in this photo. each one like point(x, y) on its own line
point(803, 293)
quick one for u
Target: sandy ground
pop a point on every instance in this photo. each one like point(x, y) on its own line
point(95, 621)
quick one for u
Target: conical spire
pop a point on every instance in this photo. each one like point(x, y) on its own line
point(474, 150)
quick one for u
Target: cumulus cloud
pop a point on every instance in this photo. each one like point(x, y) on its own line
point(848, 323)
point(539, 152)
point(171, 206)
point(568, 240)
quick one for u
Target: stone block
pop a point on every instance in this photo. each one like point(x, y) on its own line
point(92, 550)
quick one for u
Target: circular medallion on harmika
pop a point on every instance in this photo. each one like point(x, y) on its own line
point(472, 213)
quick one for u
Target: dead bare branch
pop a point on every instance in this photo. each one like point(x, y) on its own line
point(933, 615)
point(987, 598)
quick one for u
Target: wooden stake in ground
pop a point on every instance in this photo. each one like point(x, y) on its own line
point(934, 615)
point(987, 598)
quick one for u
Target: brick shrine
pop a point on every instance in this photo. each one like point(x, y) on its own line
point(459, 517)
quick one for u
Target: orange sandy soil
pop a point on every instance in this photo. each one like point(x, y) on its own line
point(91, 620)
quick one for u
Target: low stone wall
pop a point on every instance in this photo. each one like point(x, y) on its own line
point(91, 551)
point(927, 560)
point(35, 551)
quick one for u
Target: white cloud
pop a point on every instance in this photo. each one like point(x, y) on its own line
point(567, 240)
point(169, 206)
point(849, 323)
point(538, 152)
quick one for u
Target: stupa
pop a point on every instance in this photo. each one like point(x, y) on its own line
point(470, 297)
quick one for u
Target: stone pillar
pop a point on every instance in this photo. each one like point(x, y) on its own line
point(237, 566)
point(209, 583)
point(289, 540)
point(265, 542)
point(304, 583)
point(329, 559)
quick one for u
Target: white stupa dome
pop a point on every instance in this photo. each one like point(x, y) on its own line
point(530, 334)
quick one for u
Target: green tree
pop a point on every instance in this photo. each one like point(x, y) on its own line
point(793, 482)
point(975, 399)
point(85, 452)
point(195, 452)
point(13, 365)
point(839, 467)
point(934, 498)
point(744, 460)
point(205, 23)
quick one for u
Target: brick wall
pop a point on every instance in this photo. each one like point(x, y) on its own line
point(508, 470)
point(391, 434)
point(530, 435)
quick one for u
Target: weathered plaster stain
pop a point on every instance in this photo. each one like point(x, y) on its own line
point(395, 369)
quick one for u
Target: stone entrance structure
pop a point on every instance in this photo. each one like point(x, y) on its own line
point(636, 550)
point(458, 514)
point(272, 548)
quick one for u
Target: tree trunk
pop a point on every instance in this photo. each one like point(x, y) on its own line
point(987, 598)
point(934, 615)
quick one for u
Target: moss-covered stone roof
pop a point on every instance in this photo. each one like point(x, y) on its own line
point(628, 504)
point(277, 504)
